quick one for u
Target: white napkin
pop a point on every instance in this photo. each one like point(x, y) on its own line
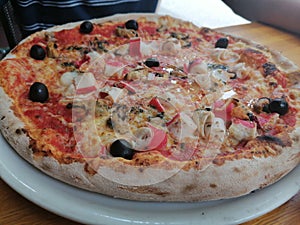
point(208, 13)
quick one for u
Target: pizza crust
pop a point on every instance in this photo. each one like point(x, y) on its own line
point(12, 127)
point(231, 179)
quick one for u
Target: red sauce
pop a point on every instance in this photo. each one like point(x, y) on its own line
point(68, 37)
point(44, 120)
point(148, 29)
point(106, 30)
point(51, 119)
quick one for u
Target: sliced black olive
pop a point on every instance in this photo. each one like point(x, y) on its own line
point(37, 52)
point(132, 24)
point(221, 43)
point(121, 148)
point(38, 92)
point(86, 27)
point(152, 62)
point(279, 105)
point(234, 75)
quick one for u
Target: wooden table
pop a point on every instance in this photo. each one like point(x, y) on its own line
point(16, 210)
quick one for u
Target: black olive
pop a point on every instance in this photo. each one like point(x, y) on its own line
point(251, 116)
point(234, 75)
point(37, 52)
point(69, 105)
point(38, 92)
point(121, 148)
point(86, 27)
point(152, 62)
point(279, 105)
point(221, 43)
point(132, 24)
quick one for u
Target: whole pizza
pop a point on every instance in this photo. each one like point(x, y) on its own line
point(149, 107)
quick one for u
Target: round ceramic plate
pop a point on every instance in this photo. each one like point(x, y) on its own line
point(92, 208)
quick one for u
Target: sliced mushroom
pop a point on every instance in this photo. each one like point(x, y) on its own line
point(128, 33)
point(171, 47)
point(225, 56)
point(218, 131)
point(122, 50)
point(143, 137)
point(119, 118)
point(179, 35)
point(203, 120)
point(204, 81)
point(52, 51)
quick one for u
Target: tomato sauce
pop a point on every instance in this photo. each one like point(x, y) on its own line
point(105, 30)
point(52, 118)
point(68, 37)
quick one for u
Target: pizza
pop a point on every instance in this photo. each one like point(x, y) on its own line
point(152, 108)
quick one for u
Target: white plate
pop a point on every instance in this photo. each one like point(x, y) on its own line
point(92, 208)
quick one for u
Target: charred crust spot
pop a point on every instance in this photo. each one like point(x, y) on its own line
point(213, 185)
point(189, 188)
point(237, 170)
point(89, 169)
point(219, 161)
point(146, 190)
point(3, 117)
point(272, 139)
point(18, 131)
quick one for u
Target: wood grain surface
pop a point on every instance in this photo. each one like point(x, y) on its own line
point(16, 210)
